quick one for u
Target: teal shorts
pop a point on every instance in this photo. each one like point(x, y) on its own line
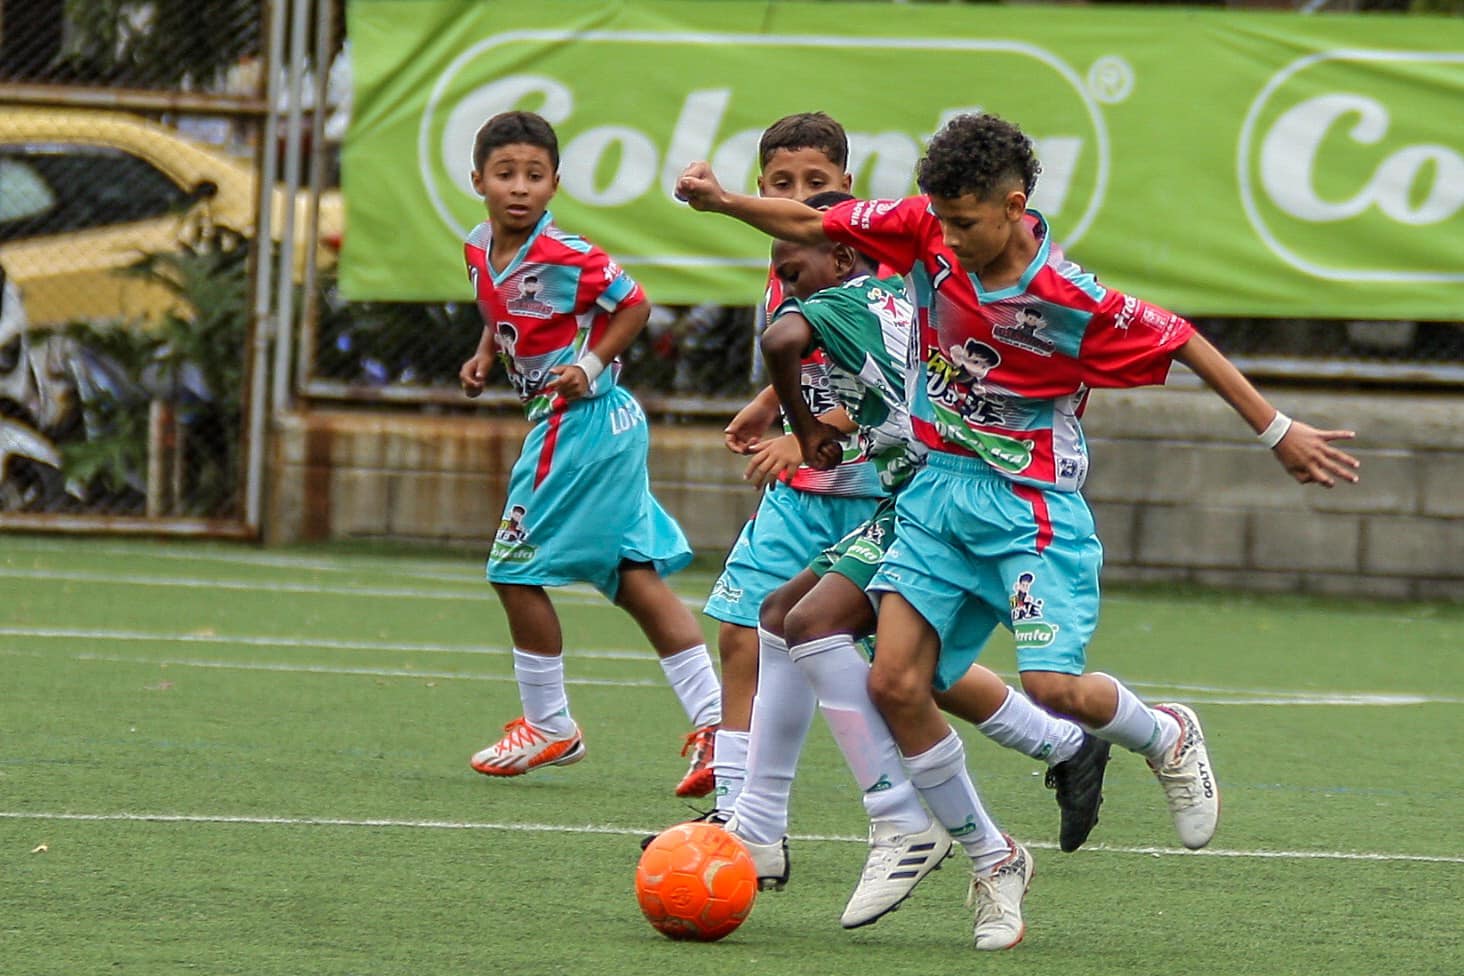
point(775, 544)
point(579, 502)
point(973, 549)
point(859, 554)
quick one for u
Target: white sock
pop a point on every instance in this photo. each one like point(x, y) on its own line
point(1137, 727)
point(695, 682)
point(939, 773)
point(839, 675)
point(541, 689)
point(782, 712)
point(1018, 724)
point(729, 760)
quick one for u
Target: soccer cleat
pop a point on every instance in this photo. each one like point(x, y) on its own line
point(718, 817)
point(701, 778)
point(1078, 781)
point(524, 747)
point(771, 860)
point(895, 865)
point(997, 896)
point(1189, 784)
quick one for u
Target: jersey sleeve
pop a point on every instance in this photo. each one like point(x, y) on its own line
point(605, 283)
point(1130, 342)
point(890, 231)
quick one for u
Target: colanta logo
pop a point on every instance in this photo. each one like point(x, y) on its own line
point(1328, 166)
point(627, 152)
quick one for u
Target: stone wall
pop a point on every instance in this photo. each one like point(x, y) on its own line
point(1180, 489)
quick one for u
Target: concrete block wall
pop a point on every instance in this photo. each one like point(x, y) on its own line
point(375, 475)
point(1181, 491)
point(1179, 487)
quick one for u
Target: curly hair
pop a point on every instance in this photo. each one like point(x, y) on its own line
point(805, 130)
point(513, 128)
point(977, 154)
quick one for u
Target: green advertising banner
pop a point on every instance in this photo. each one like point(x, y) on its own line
point(1218, 163)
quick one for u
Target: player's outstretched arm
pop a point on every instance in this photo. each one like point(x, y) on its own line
point(788, 220)
point(1306, 452)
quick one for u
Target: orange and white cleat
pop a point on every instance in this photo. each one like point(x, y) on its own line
point(524, 747)
point(701, 778)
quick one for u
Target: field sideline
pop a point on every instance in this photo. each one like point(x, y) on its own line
point(220, 759)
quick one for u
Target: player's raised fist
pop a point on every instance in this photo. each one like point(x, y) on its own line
point(699, 187)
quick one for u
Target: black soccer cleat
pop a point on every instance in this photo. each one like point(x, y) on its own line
point(1079, 785)
point(714, 816)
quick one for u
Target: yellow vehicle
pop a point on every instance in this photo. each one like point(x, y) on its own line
point(84, 194)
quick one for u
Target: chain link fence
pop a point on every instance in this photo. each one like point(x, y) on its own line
point(132, 140)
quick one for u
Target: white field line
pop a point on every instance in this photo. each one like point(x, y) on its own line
point(536, 828)
point(290, 643)
point(465, 570)
point(1211, 696)
point(330, 669)
point(569, 595)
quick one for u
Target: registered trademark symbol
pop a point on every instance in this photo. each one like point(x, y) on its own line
point(1110, 79)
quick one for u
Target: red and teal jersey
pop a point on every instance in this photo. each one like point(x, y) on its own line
point(1008, 372)
point(547, 306)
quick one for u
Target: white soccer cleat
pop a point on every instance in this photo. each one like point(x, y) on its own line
point(1188, 781)
point(524, 747)
point(771, 860)
point(895, 865)
point(997, 896)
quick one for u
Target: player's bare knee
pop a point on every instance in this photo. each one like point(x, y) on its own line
point(802, 624)
point(1055, 692)
point(893, 691)
point(773, 612)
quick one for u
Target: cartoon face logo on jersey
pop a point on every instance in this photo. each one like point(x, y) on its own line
point(506, 335)
point(511, 529)
point(1024, 605)
point(1028, 330)
point(527, 301)
point(974, 360)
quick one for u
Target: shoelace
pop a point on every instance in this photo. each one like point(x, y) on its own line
point(878, 864)
point(1179, 788)
point(882, 851)
point(990, 908)
point(1179, 782)
point(520, 734)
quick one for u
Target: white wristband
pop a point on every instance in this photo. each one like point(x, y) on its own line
point(1275, 430)
point(591, 364)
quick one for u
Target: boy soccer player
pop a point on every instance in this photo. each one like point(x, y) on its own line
point(864, 325)
point(802, 509)
point(801, 155)
point(993, 529)
point(557, 311)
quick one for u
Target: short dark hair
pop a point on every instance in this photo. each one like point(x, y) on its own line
point(827, 199)
point(805, 130)
point(977, 154)
point(512, 128)
point(824, 199)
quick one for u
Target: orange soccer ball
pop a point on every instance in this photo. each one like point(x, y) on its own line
point(695, 881)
